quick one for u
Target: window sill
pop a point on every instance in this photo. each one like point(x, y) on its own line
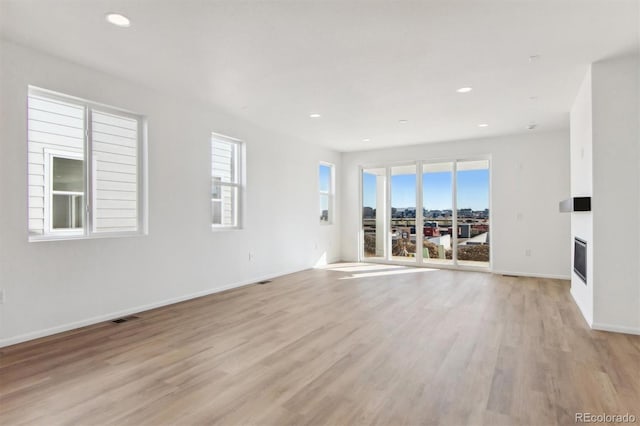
point(43, 238)
point(222, 228)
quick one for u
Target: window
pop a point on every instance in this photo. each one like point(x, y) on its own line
point(226, 181)
point(325, 180)
point(427, 213)
point(85, 168)
point(66, 193)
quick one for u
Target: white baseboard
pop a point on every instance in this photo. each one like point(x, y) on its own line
point(587, 319)
point(112, 315)
point(518, 274)
point(616, 328)
point(333, 260)
point(534, 275)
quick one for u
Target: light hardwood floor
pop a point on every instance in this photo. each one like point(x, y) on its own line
point(339, 347)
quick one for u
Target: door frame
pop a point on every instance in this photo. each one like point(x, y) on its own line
point(418, 259)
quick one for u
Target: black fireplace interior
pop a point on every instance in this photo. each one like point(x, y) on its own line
point(580, 259)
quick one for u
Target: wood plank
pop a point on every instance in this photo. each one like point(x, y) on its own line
point(428, 347)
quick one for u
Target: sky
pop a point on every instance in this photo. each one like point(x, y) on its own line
point(473, 190)
point(325, 177)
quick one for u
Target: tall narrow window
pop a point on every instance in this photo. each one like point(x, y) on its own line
point(402, 222)
point(85, 171)
point(374, 184)
point(226, 181)
point(437, 212)
point(472, 188)
point(325, 180)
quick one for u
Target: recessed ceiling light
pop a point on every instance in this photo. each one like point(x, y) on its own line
point(464, 90)
point(483, 125)
point(118, 20)
point(366, 140)
point(314, 115)
point(403, 121)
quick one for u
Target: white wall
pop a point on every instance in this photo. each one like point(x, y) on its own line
point(53, 286)
point(582, 185)
point(605, 153)
point(616, 204)
point(530, 175)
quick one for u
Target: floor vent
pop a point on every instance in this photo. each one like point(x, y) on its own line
point(125, 319)
point(264, 282)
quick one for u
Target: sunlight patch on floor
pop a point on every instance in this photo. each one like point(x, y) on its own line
point(359, 267)
point(367, 270)
point(386, 273)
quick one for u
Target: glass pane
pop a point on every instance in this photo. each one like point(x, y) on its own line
point(472, 181)
point(67, 175)
point(216, 212)
point(403, 213)
point(53, 125)
point(437, 200)
point(224, 161)
point(224, 211)
point(325, 178)
point(324, 207)
point(374, 182)
point(216, 188)
point(67, 211)
point(115, 155)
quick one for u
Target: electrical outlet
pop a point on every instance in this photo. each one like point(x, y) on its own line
point(527, 252)
point(251, 256)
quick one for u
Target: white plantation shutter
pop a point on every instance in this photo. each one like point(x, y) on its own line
point(115, 164)
point(53, 126)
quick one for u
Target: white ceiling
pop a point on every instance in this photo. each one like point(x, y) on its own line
point(363, 65)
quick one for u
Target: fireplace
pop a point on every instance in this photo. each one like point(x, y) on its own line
point(580, 259)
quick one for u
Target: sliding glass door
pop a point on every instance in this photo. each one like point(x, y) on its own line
point(427, 213)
